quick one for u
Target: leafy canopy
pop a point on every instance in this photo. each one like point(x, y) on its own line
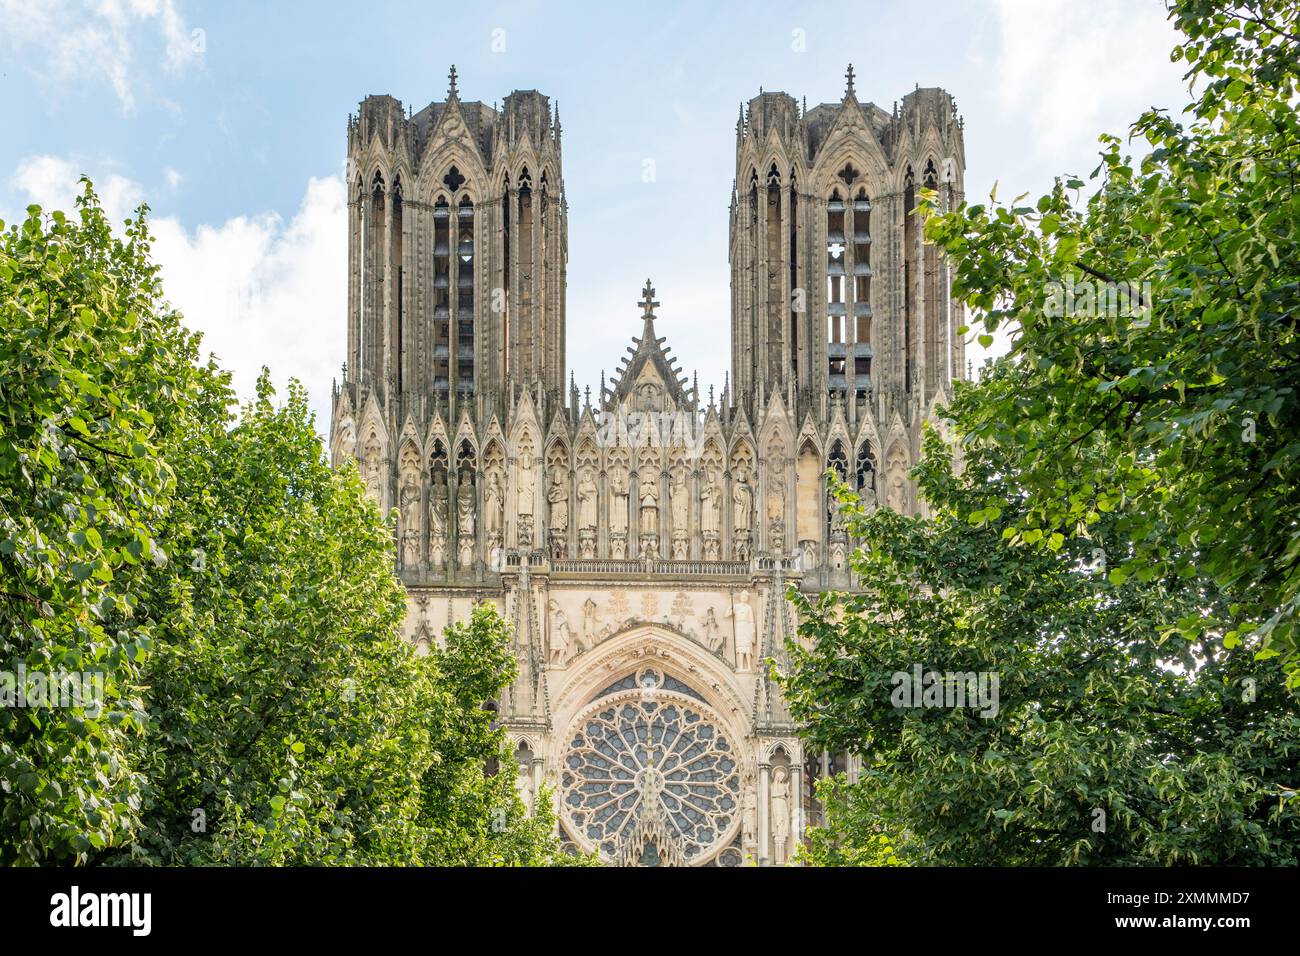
point(235, 594)
point(1156, 341)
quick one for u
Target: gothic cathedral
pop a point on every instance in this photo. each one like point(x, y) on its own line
point(641, 543)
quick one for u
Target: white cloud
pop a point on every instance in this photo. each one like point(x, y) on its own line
point(51, 181)
point(79, 41)
point(1076, 70)
point(266, 292)
point(174, 178)
point(262, 290)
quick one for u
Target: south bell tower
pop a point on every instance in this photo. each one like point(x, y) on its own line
point(835, 298)
point(457, 248)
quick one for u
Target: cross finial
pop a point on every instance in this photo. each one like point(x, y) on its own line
point(848, 75)
point(451, 76)
point(648, 303)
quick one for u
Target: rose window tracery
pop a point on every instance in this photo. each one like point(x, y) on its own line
point(650, 776)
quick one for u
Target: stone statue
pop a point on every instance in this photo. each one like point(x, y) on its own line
point(896, 492)
point(867, 494)
point(558, 496)
point(465, 509)
point(743, 497)
point(527, 484)
point(710, 503)
point(743, 621)
point(590, 624)
point(780, 813)
point(749, 818)
point(410, 502)
point(618, 494)
point(649, 507)
point(712, 633)
point(494, 504)
point(587, 492)
point(775, 499)
point(347, 442)
point(680, 501)
point(373, 470)
point(559, 635)
point(837, 516)
point(438, 508)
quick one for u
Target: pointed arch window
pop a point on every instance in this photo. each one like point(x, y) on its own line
point(836, 289)
point(464, 296)
point(441, 295)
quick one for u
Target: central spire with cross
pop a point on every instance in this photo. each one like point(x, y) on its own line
point(451, 77)
point(848, 75)
point(648, 303)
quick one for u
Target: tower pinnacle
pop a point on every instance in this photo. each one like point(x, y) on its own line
point(848, 75)
point(648, 304)
point(451, 88)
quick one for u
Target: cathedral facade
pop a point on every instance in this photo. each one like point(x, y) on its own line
point(641, 541)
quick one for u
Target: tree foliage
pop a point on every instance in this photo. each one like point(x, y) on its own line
point(237, 594)
point(1107, 711)
point(1156, 343)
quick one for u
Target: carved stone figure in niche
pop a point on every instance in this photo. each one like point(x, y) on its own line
point(837, 516)
point(590, 625)
point(679, 497)
point(494, 503)
point(560, 636)
point(649, 506)
point(776, 512)
point(438, 508)
point(347, 442)
point(743, 497)
point(710, 503)
point(587, 499)
point(465, 519)
point(618, 495)
point(712, 633)
point(780, 813)
point(373, 469)
point(465, 507)
point(526, 483)
point(896, 483)
point(558, 496)
point(749, 818)
point(438, 522)
point(867, 494)
point(409, 501)
point(742, 616)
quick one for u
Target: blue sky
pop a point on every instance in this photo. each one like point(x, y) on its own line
point(229, 119)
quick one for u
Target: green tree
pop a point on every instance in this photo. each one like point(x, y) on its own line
point(291, 722)
point(1106, 713)
point(1155, 330)
point(90, 370)
point(235, 594)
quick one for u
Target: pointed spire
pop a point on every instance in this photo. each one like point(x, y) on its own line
point(557, 121)
point(848, 75)
point(452, 95)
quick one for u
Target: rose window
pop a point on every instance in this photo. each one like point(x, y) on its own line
point(649, 778)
